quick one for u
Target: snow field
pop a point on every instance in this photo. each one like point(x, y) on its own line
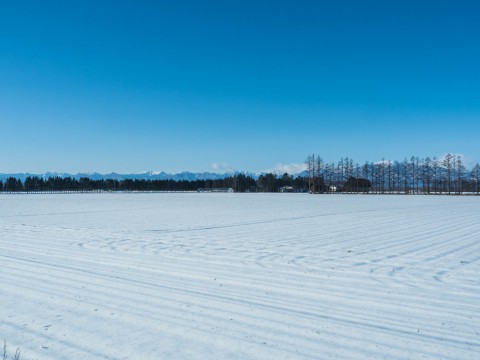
point(257, 276)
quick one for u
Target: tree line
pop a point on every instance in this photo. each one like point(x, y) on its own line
point(410, 176)
point(239, 183)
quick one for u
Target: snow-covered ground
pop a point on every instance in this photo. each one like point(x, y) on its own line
point(247, 276)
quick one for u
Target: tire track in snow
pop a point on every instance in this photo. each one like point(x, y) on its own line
point(313, 277)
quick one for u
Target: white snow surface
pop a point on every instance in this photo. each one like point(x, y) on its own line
point(240, 276)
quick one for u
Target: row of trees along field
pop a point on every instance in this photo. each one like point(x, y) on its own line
point(414, 176)
point(239, 183)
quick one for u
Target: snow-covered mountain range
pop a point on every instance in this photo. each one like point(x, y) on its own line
point(150, 175)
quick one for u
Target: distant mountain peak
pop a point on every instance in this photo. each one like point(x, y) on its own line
point(148, 175)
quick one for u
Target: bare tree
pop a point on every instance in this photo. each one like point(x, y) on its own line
point(417, 174)
point(382, 174)
point(414, 173)
point(389, 176)
point(329, 174)
point(447, 164)
point(350, 168)
point(398, 175)
point(365, 171)
point(341, 172)
point(435, 173)
point(412, 176)
point(332, 174)
point(319, 165)
point(475, 175)
point(427, 174)
point(460, 171)
point(405, 175)
point(310, 164)
point(357, 176)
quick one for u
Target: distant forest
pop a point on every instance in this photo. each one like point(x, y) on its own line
point(239, 183)
point(410, 176)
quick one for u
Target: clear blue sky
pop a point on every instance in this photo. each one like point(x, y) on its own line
point(130, 86)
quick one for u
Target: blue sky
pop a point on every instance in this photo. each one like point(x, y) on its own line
point(131, 86)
